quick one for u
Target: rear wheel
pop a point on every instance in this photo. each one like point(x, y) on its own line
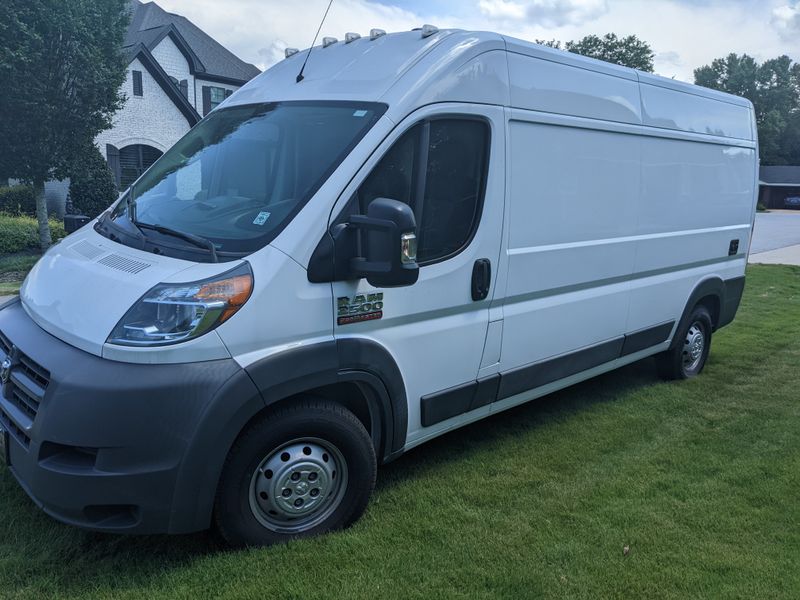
point(299, 471)
point(688, 354)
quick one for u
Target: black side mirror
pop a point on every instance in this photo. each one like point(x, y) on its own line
point(388, 244)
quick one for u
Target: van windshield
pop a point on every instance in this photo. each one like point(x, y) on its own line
point(241, 174)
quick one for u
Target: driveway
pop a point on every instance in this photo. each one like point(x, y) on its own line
point(776, 238)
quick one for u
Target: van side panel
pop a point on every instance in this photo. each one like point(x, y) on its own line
point(695, 219)
point(671, 109)
point(562, 89)
point(571, 207)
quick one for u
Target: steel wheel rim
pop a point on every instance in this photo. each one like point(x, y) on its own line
point(298, 485)
point(693, 347)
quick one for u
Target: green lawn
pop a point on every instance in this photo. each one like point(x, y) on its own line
point(700, 479)
point(13, 269)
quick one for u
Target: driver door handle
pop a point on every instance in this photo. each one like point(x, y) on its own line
point(481, 278)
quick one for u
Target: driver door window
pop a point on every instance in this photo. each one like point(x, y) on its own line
point(438, 168)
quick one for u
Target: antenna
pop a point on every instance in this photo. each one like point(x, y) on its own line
point(300, 74)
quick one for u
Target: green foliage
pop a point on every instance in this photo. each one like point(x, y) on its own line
point(92, 188)
point(61, 68)
point(698, 478)
point(17, 200)
point(774, 89)
point(627, 51)
point(20, 233)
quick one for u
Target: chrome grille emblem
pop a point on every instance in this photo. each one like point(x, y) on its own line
point(5, 371)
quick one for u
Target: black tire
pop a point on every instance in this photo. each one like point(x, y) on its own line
point(307, 431)
point(678, 362)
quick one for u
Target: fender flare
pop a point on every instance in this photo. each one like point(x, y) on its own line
point(712, 286)
point(270, 380)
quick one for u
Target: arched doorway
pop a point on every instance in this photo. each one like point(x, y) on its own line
point(135, 160)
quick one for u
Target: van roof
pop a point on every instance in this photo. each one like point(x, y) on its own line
point(411, 70)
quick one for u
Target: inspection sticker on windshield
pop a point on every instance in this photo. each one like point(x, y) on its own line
point(360, 113)
point(261, 218)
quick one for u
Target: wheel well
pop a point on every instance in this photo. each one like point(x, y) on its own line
point(355, 397)
point(712, 303)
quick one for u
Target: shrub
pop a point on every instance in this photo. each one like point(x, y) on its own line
point(18, 200)
point(760, 207)
point(21, 233)
point(92, 189)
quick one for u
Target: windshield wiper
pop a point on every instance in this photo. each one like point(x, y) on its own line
point(189, 237)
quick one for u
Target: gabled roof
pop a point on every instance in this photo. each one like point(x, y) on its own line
point(780, 175)
point(144, 55)
point(207, 58)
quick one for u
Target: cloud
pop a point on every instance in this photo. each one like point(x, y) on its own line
point(670, 57)
point(549, 13)
point(786, 20)
point(259, 30)
point(685, 34)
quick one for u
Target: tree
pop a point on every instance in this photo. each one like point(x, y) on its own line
point(774, 89)
point(628, 51)
point(61, 68)
point(92, 188)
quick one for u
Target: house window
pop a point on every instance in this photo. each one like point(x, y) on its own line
point(182, 85)
point(137, 83)
point(213, 96)
point(135, 160)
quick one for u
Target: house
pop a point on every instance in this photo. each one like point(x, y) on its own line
point(776, 184)
point(176, 75)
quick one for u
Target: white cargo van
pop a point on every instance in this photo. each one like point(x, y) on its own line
point(428, 228)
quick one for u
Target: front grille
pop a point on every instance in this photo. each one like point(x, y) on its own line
point(24, 382)
point(5, 345)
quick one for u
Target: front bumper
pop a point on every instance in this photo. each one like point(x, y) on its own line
point(115, 446)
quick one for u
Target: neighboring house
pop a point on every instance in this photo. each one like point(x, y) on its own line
point(176, 75)
point(776, 184)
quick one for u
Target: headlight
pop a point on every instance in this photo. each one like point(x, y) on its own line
point(175, 312)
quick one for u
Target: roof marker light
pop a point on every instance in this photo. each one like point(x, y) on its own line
point(290, 52)
point(374, 34)
point(429, 30)
point(351, 37)
point(328, 41)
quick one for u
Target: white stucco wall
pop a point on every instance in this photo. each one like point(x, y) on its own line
point(175, 64)
point(150, 119)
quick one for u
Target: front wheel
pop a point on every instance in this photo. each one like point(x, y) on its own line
point(304, 469)
point(688, 354)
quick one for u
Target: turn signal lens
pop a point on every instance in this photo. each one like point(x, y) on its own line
point(172, 313)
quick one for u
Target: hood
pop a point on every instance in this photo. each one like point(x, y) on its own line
point(85, 284)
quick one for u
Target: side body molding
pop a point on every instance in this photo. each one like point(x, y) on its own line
point(357, 360)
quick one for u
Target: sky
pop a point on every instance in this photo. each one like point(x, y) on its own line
point(684, 34)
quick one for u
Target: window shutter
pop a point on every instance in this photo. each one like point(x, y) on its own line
point(112, 157)
point(228, 93)
point(137, 83)
point(206, 100)
point(184, 85)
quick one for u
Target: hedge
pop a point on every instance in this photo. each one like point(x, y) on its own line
point(20, 233)
point(18, 200)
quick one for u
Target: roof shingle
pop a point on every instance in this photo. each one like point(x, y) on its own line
point(149, 22)
point(780, 174)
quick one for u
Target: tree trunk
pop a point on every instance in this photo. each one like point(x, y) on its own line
point(41, 215)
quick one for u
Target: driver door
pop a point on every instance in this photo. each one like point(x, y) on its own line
point(447, 165)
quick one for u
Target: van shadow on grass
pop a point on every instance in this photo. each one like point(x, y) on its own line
point(34, 546)
point(484, 434)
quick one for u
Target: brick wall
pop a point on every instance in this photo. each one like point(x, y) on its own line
point(151, 119)
point(175, 64)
